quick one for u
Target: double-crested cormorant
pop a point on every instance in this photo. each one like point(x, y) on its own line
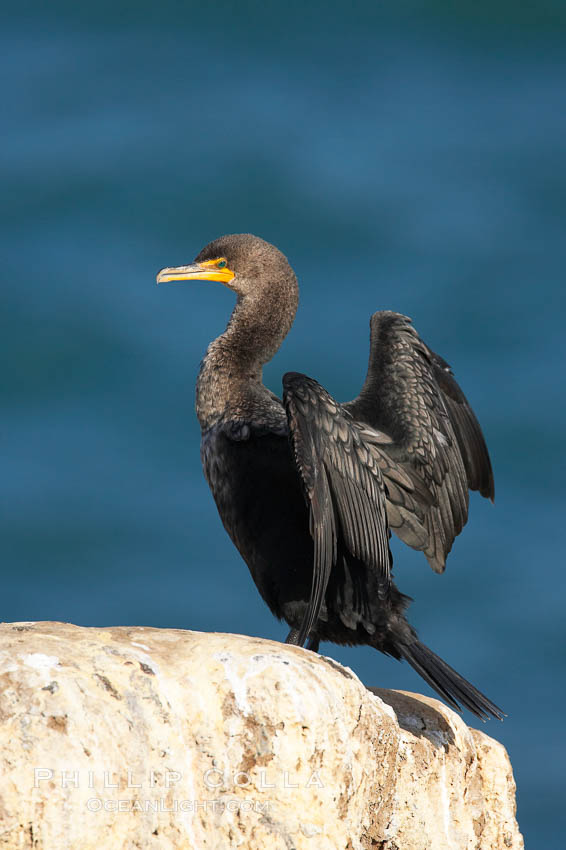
point(308, 488)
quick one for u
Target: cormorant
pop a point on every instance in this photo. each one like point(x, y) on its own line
point(309, 489)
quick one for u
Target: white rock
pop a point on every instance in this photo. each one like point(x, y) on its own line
point(147, 738)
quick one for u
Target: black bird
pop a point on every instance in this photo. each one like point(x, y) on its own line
point(309, 489)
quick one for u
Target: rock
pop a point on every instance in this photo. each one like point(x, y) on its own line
point(158, 738)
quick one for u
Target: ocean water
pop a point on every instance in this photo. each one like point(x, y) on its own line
point(409, 158)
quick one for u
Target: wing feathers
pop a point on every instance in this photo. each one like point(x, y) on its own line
point(323, 531)
point(343, 485)
point(402, 455)
point(411, 395)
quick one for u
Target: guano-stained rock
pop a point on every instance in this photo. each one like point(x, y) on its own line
point(153, 738)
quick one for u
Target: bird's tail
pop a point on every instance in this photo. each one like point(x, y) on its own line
point(452, 687)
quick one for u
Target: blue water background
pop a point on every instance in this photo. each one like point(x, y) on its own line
point(407, 157)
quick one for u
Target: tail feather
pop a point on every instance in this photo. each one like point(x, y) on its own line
point(452, 687)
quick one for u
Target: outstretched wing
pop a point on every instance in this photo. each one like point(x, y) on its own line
point(337, 460)
point(466, 427)
point(411, 394)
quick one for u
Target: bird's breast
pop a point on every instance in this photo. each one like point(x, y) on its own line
point(259, 497)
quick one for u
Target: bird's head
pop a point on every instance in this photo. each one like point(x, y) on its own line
point(244, 263)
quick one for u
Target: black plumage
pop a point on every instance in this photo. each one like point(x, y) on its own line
point(309, 489)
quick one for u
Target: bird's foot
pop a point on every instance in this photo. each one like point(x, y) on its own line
point(293, 639)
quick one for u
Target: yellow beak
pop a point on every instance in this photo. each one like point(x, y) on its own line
point(207, 270)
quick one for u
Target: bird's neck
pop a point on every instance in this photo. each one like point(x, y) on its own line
point(229, 383)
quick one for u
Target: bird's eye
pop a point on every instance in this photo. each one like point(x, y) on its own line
point(221, 264)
